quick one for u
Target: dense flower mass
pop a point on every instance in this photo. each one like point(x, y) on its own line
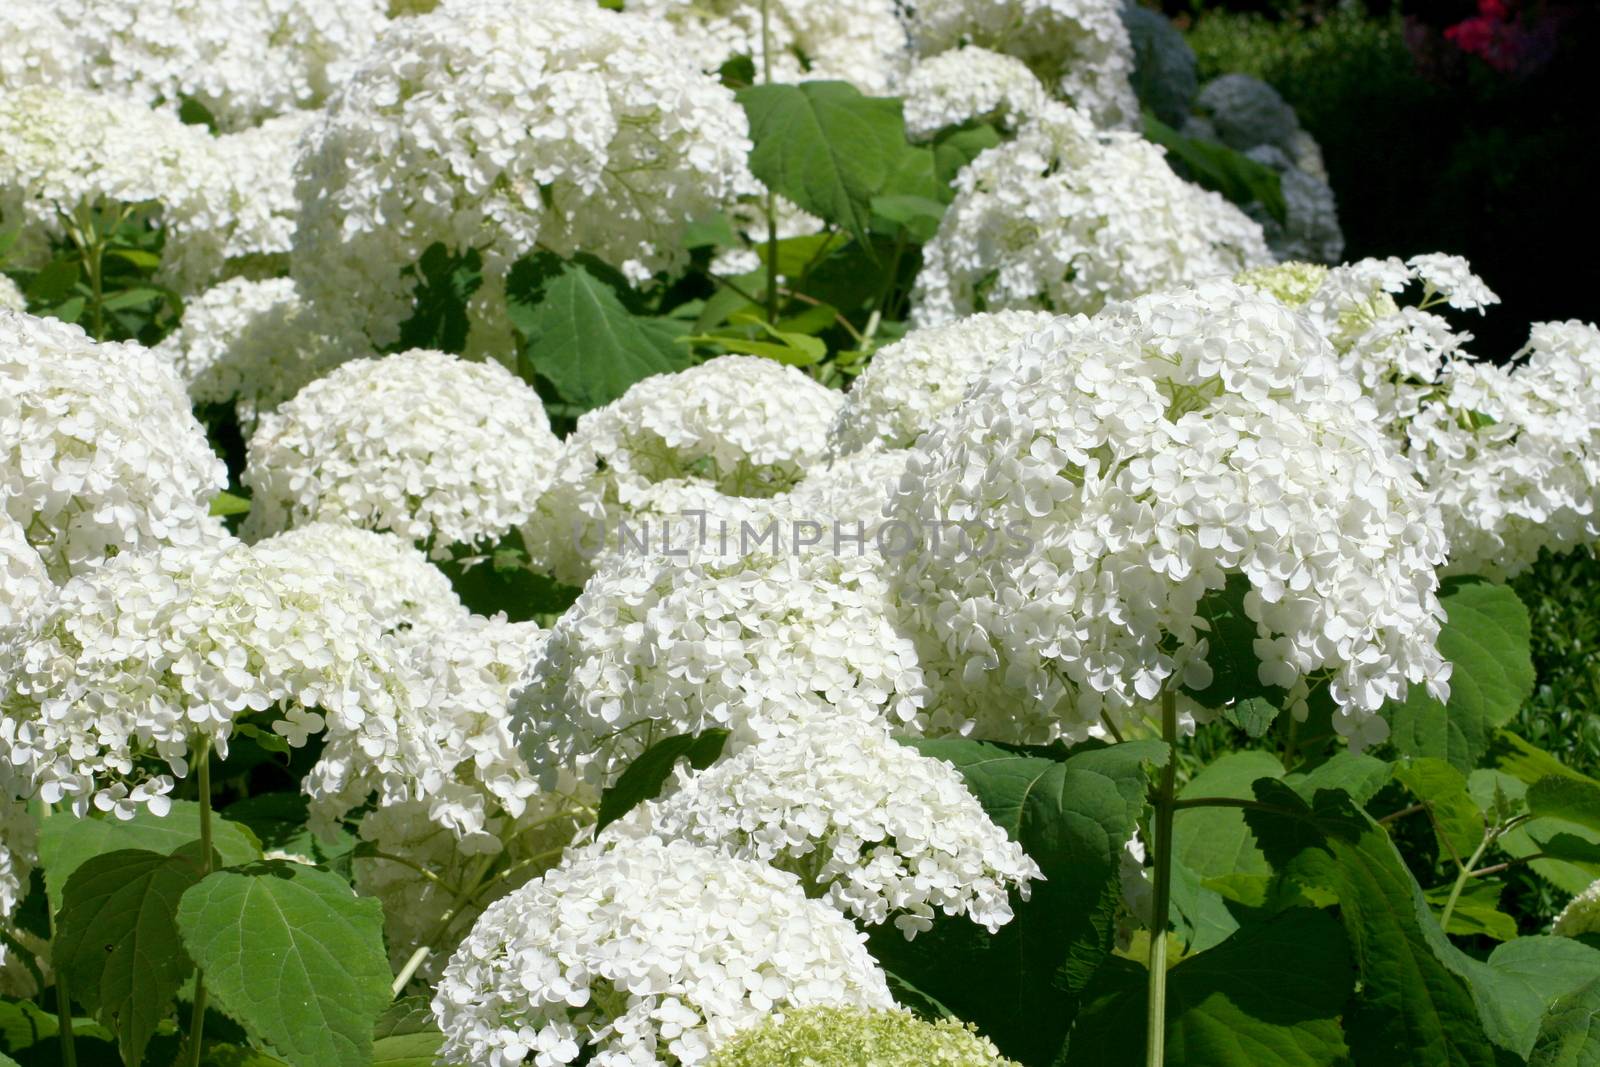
point(867, 824)
point(139, 658)
point(254, 344)
point(40, 49)
point(25, 586)
point(676, 444)
point(258, 191)
point(554, 124)
point(1066, 218)
point(1116, 471)
point(850, 1035)
point(859, 41)
point(1079, 48)
point(967, 84)
point(99, 452)
point(242, 60)
point(913, 381)
point(756, 641)
point(1581, 915)
point(11, 295)
point(435, 448)
point(645, 953)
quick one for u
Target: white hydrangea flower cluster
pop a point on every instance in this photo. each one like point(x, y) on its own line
point(67, 150)
point(674, 444)
point(453, 745)
point(99, 452)
point(1292, 283)
point(255, 344)
point(25, 585)
point(913, 381)
point(259, 194)
point(404, 592)
point(435, 448)
point(11, 295)
point(966, 84)
point(1581, 915)
point(1080, 49)
point(759, 643)
point(1066, 218)
point(553, 123)
point(846, 495)
point(859, 41)
point(138, 658)
point(866, 823)
point(1115, 471)
point(243, 60)
point(645, 953)
point(40, 49)
point(19, 853)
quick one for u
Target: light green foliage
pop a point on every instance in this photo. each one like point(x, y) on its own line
point(842, 1037)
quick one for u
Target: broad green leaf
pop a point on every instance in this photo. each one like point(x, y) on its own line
point(1571, 799)
point(408, 1015)
point(1486, 641)
point(1269, 996)
point(30, 1036)
point(1569, 1036)
point(644, 777)
point(792, 349)
point(222, 1054)
point(919, 216)
point(118, 941)
point(1525, 762)
point(1213, 843)
point(407, 1050)
point(1456, 818)
point(224, 504)
point(1253, 715)
point(445, 282)
point(1200, 915)
point(279, 820)
point(581, 337)
point(1572, 866)
point(54, 282)
point(1073, 816)
point(713, 231)
point(954, 148)
point(1235, 668)
point(1477, 910)
point(294, 956)
point(1522, 979)
point(1415, 1006)
point(1356, 773)
point(66, 842)
point(825, 146)
point(798, 255)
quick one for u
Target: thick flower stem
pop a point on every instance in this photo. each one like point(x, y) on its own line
point(1162, 800)
point(197, 1020)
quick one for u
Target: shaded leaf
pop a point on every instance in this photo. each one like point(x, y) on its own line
point(646, 775)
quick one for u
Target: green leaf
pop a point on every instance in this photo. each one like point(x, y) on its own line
point(1221, 169)
point(1415, 1006)
point(793, 349)
point(1569, 1036)
point(225, 504)
point(1253, 715)
point(919, 216)
point(1216, 843)
point(1572, 866)
point(1235, 668)
point(147, 262)
point(118, 941)
point(713, 231)
point(137, 296)
point(1520, 759)
point(445, 281)
point(1456, 818)
point(292, 955)
point(1356, 773)
point(1477, 910)
point(1021, 985)
point(581, 337)
point(1572, 799)
point(797, 255)
point(279, 820)
point(825, 147)
point(54, 282)
point(1486, 639)
point(65, 843)
point(1269, 996)
point(407, 1050)
point(1522, 980)
point(957, 146)
point(646, 775)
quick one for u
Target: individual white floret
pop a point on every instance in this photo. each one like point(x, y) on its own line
point(1116, 470)
point(859, 41)
point(645, 953)
point(701, 440)
point(758, 643)
point(99, 452)
point(545, 124)
point(254, 344)
point(1080, 49)
point(866, 823)
point(910, 383)
point(435, 448)
point(1066, 218)
point(242, 60)
point(970, 84)
point(141, 658)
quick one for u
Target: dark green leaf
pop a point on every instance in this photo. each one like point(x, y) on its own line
point(1216, 843)
point(954, 148)
point(407, 1050)
point(1569, 1036)
point(279, 820)
point(918, 215)
point(1477, 910)
point(1574, 800)
point(1456, 818)
point(445, 281)
point(1357, 773)
point(1522, 980)
point(294, 956)
point(1253, 715)
point(54, 282)
point(1571, 867)
point(1235, 668)
point(646, 775)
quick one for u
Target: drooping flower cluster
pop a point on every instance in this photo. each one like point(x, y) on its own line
point(141, 657)
point(759, 642)
point(435, 448)
point(967, 84)
point(253, 343)
point(866, 823)
point(645, 953)
point(99, 453)
point(242, 60)
point(1581, 915)
point(677, 444)
point(1066, 218)
point(858, 41)
point(851, 1035)
point(913, 381)
point(1078, 48)
point(552, 123)
point(1116, 471)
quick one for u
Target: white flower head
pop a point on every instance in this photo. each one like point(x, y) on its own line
point(1066, 218)
point(1581, 915)
point(40, 48)
point(435, 448)
point(970, 84)
point(645, 953)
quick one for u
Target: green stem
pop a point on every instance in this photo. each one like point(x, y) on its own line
point(197, 1019)
point(69, 1048)
point(1164, 802)
point(1461, 880)
point(772, 197)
